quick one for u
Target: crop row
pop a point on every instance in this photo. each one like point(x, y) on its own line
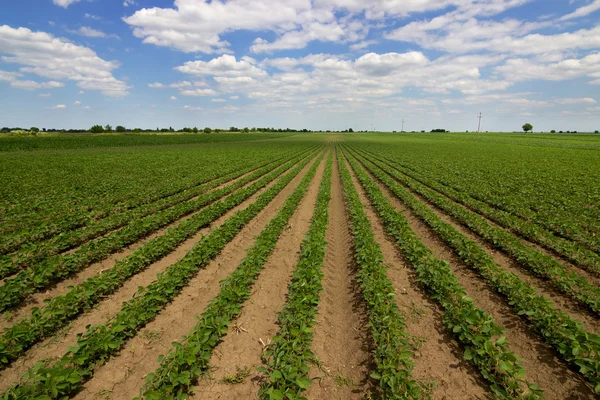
point(572, 251)
point(474, 328)
point(35, 252)
point(527, 256)
point(56, 268)
point(64, 308)
point(188, 360)
point(287, 358)
point(574, 344)
point(99, 342)
point(60, 215)
point(554, 218)
point(391, 349)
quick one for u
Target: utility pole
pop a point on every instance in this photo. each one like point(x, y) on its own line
point(479, 126)
point(403, 125)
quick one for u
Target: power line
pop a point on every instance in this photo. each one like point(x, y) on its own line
point(479, 126)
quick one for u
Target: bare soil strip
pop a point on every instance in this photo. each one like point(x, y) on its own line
point(439, 365)
point(567, 264)
point(122, 377)
point(37, 299)
point(57, 346)
point(242, 346)
point(341, 337)
point(561, 301)
point(541, 363)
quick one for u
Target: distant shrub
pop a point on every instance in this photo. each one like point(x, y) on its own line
point(552, 131)
point(120, 129)
point(97, 129)
point(596, 131)
point(438, 130)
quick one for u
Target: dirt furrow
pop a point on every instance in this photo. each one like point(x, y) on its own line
point(122, 377)
point(541, 363)
point(241, 348)
point(37, 299)
point(341, 337)
point(595, 279)
point(561, 301)
point(56, 346)
point(439, 365)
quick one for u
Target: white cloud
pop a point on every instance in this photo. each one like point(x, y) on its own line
point(81, 92)
point(45, 95)
point(582, 11)
point(173, 98)
point(65, 3)
point(521, 69)
point(58, 107)
point(225, 65)
point(93, 33)
point(218, 100)
point(198, 92)
point(77, 103)
point(87, 107)
point(44, 55)
point(128, 3)
point(13, 79)
point(585, 100)
point(234, 97)
point(92, 16)
point(176, 85)
point(192, 108)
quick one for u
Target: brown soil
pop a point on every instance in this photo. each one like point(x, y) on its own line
point(541, 363)
point(57, 345)
point(438, 357)
point(37, 299)
point(242, 346)
point(341, 337)
point(543, 286)
point(590, 276)
point(122, 377)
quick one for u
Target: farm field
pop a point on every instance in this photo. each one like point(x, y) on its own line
point(317, 266)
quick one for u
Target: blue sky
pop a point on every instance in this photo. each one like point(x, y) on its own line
point(320, 64)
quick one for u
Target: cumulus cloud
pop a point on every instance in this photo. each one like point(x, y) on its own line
point(225, 65)
point(522, 69)
point(218, 100)
point(173, 98)
point(339, 84)
point(44, 55)
point(58, 107)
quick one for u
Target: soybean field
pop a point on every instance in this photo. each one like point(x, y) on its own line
point(300, 266)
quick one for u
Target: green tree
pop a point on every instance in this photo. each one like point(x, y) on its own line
point(108, 128)
point(97, 129)
point(195, 130)
point(121, 129)
point(527, 127)
point(34, 130)
point(207, 130)
point(246, 130)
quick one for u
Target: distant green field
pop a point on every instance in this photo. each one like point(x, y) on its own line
point(12, 143)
